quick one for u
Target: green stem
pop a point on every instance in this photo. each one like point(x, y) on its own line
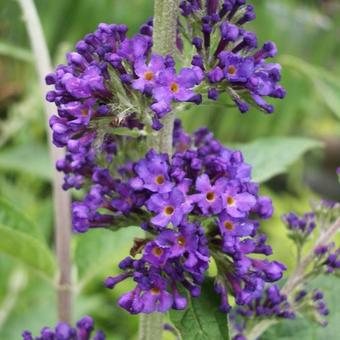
point(260, 328)
point(165, 26)
point(164, 43)
point(151, 326)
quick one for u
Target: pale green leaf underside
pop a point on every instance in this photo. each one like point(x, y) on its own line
point(99, 248)
point(273, 156)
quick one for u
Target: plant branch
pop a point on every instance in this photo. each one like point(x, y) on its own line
point(61, 199)
point(260, 328)
point(165, 26)
point(151, 326)
point(164, 43)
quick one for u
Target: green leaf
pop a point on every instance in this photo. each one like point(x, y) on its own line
point(304, 329)
point(326, 84)
point(30, 159)
point(329, 92)
point(27, 249)
point(16, 52)
point(99, 248)
point(12, 217)
point(273, 156)
point(202, 319)
point(21, 239)
point(34, 303)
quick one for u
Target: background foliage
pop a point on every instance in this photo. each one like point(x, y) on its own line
point(308, 37)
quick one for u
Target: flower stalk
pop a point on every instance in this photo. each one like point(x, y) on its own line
point(164, 43)
point(61, 199)
point(298, 275)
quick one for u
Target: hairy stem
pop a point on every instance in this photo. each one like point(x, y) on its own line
point(61, 199)
point(165, 26)
point(297, 277)
point(164, 43)
point(151, 326)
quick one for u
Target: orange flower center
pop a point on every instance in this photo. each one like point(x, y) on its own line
point(230, 200)
point(231, 70)
point(155, 290)
point(210, 196)
point(148, 75)
point(174, 87)
point(181, 241)
point(169, 210)
point(157, 251)
point(159, 180)
point(84, 112)
point(228, 225)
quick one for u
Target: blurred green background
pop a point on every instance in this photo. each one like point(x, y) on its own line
point(308, 36)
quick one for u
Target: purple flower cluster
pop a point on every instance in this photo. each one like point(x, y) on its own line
point(300, 227)
point(111, 81)
point(296, 296)
point(101, 83)
point(84, 90)
point(199, 204)
point(320, 305)
point(158, 78)
point(228, 54)
point(327, 258)
point(312, 304)
point(63, 331)
point(175, 256)
point(272, 304)
point(82, 155)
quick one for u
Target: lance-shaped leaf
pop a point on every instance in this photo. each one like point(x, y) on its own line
point(273, 156)
point(13, 218)
point(326, 84)
point(27, 159)
point(27, 249)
